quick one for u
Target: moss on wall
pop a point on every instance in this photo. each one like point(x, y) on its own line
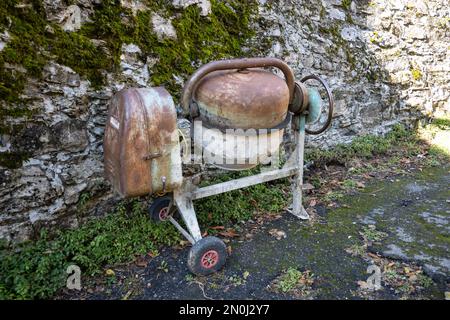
point(13, 160)
point(199, 39)
point(416, 74)
point(35, 41)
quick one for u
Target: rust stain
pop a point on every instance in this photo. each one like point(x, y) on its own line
point(251, 99)
point(239, 64)
point(140, 133)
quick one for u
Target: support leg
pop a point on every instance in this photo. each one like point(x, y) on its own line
point(187, 212)
point(299, 136)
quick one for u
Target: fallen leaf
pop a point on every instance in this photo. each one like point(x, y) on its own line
point(312, 203)
point(307, 186)
point(155, 253)
point(230, 233)
point(140, 262)
point(218, 228)
point(373, 255)
point(360, 184)
point(363, 284)
point(110, 272)
point(278, 234)
point(184, 243)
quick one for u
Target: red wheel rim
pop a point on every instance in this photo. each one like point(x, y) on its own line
point(164, 213)
point(209, 259)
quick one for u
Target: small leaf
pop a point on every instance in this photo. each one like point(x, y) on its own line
point(110, 272)
point(230, 233)
point(360, 184)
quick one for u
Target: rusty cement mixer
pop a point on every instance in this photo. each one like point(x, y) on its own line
point(227, 99)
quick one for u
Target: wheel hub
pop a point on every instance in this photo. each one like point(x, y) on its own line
point(164, 213)
point(210, 259)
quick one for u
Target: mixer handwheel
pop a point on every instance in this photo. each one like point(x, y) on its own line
point(207, 256)
point(330, 104)
point(160, 209)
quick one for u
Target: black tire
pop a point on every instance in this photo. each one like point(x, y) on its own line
point(207, 256)
point(159, 209)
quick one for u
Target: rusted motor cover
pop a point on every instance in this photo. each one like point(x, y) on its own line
point(141, 145)
point(249, 98)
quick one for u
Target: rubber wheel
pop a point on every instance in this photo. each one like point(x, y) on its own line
point(159, 209)
point(207, 256)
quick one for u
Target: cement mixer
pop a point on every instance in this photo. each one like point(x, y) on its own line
point(225, 100)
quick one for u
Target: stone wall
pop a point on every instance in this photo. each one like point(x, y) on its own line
point(386, 61)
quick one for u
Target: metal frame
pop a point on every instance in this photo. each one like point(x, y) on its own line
point(184, 196)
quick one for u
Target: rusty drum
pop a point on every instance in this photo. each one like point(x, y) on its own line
point(249, 98)
point(239, 94)
point(141, 146)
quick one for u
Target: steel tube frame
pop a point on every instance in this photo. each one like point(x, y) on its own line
point(184, 196)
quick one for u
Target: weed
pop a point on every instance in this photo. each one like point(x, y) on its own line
point(349, 184)
point(356, 250)
point(237, 280)
point(424, 281)
point(333, 196)
point(289, 280)
point(363, 147)
point(363, 169)
point(189, 278)
point(294, 281)
point(390, 275)
point(369, 233)
point(163, 266)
